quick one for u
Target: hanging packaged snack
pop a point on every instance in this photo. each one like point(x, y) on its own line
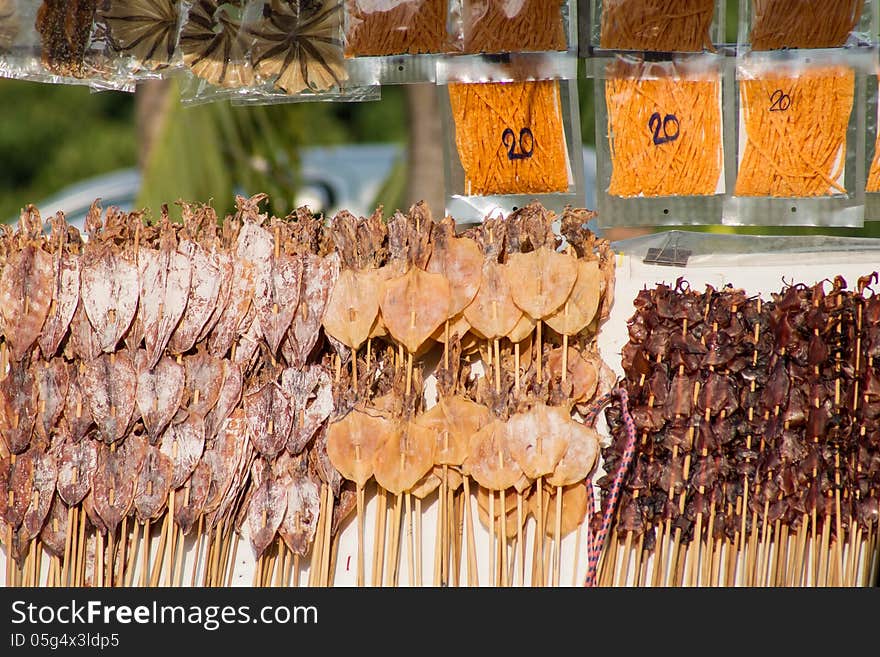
point(660, 141)
point(872, 155)
point(395, 27)
point(51, 41)
point(658, 25)
point(65, 29)
point(510, 140)
point(267, 52)
point(216, 50)
point(501, 26)
point(10, 24)
point(142, 34)
point(297, 47)
point(396, 41)
point(801, 140)
point(786, 24)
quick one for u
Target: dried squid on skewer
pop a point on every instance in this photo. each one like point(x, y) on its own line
point(26, 285)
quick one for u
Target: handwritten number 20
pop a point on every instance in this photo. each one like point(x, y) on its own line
point(669, 126)
point(526, 144)
point(779, 101)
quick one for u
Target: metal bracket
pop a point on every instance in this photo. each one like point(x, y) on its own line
point(670, 255)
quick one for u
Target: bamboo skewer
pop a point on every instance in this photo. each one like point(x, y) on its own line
point(394, 542)
point(410, 549)
point(472, 576)
point(68, 547)
point(145, 553)
point(418, 537)
point(492, 571)
point(456, 531)
point(379, 541)
point(156, 570)
point(360, 534)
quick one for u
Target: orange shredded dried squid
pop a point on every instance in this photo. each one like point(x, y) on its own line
point(795, 132)
point(395, 27)
point(513, 25)
point(874, 174)
point(873, 184)
point(664, 134)
point(659, 25)
point(510, 137)
point(780, 24)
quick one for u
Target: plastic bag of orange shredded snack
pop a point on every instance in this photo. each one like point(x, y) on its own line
point(658, 25)
point(786, 24)
point(801, 131)
point(395, 27)
point(660, 140)
point(872, 155)
point(499, 26)
point(510, 140)
point(873, 119)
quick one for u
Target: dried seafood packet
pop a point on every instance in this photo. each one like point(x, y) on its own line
point(216, 50)
point(52, 41)
point(141, 38)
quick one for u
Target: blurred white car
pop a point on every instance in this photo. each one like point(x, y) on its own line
point(332, 178)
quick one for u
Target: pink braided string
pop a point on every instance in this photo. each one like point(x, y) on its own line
point(597, 543)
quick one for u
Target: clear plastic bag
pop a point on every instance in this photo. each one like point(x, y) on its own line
point(817, 24)
point(498, 26)
point(51, 42)
point(801, 131)
point(398, 41)
point(272, 96)
point(266, 52)
point(395, 27)
point(872, 151)
point(508, 143)
point(216, 49)
point(141, 36)
point(10, 24)
point(658, 25)
point(296, 46)
point(660, 140)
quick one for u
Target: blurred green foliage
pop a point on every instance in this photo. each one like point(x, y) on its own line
point(52, 136)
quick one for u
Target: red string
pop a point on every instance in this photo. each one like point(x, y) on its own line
point(597, 543)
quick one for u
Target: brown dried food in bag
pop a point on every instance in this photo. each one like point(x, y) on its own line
point(10, 24)
point(214, 46)
point(65, 27)
point(147, 30)
point(298, 45)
